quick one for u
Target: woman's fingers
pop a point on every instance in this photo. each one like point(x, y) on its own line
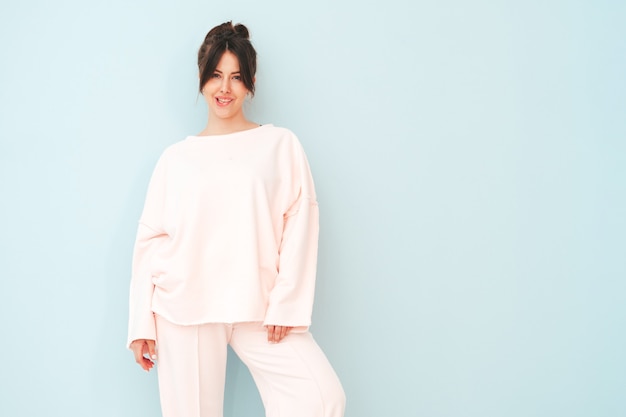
point(277, 333)
point(141, 347)
point(151, 344)
point(137, 347)
point(283, 332)
point(270, 333)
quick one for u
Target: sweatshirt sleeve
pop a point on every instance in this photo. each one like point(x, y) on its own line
point(291, 299)
point(150, 235)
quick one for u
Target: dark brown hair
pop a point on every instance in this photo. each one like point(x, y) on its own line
point(222, 38)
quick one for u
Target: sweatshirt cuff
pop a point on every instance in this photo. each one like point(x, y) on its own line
point(145, 330)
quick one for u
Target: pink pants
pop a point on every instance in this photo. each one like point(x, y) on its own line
point(294, 377)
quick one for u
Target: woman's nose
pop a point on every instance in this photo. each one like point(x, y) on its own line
point(225, 85)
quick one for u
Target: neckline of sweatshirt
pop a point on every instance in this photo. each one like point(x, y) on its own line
point(253, 131)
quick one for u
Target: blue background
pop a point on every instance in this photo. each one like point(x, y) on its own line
point(470, 161)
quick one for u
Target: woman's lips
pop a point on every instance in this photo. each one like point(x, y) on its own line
point(223, 102)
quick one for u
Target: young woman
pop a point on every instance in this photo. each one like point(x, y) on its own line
point(226, 254)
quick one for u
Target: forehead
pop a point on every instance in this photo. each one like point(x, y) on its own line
point(228, 62)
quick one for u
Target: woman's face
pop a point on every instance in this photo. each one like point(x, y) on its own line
point(225, 92)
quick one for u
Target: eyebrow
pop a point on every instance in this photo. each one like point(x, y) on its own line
point(236, 72)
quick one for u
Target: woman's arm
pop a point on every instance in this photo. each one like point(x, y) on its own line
point(291, 298)
point(150, 237)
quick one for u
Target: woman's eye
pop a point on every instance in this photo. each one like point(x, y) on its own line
point(216, 75)
point(237, 77)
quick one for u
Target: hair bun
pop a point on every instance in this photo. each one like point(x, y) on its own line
point(242, 31)
point(228, 31)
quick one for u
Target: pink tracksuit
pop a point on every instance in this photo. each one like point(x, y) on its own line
point(227, 243)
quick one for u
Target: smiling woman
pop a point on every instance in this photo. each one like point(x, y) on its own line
point(227, 65)
point(225, 93)
point(226, 254)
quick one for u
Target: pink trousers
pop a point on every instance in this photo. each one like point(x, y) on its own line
point(294, 377)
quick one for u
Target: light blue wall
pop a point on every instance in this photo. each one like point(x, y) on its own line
point(470, 160)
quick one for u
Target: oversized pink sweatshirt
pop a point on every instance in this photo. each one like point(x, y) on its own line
point(228, 234)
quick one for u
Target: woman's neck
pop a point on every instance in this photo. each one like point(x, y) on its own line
point(224, 127)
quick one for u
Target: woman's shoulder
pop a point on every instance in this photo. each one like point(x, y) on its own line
point(283, 134)
point(173, 148)
point(276, 131)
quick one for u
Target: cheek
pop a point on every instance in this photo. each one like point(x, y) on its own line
point(243, 92)
point(210, 86)
point(208, 98)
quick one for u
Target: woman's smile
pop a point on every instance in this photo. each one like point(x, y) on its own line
point(223, 101)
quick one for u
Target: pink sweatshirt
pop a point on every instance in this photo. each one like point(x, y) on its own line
point(228, 234)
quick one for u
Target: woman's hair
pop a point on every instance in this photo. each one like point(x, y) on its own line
point(222, 38)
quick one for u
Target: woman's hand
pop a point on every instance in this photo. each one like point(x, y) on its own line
point(142, 347)
point(277, 333)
